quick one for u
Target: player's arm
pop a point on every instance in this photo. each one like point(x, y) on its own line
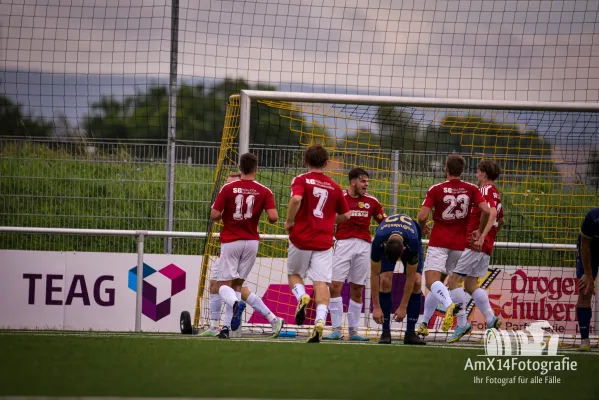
point(216, 211)
point(500, 223)
point(587, 281)
point(485, 210)
point(401, 311)
point(271, 208)
point(215, 215)
point(485, 229)
point(294, 204)
point(340, 218)
point(425, 210)
point(343, 213)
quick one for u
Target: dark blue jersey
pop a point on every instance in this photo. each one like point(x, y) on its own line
point(589, 229)
point(408, 229)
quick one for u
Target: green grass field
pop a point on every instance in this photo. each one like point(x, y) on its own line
point(146, 365)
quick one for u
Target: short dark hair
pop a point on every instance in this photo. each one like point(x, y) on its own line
point(355, 173)
point(490, 168)
point(455, 164)
point(393, 248)
point(316, 156)
point(248, 163)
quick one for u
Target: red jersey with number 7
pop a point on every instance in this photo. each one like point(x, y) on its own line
point(451, 201)
point(322, 200)
point(241, 203)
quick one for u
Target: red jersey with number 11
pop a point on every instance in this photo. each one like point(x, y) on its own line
point(322, 200)
point(451, 201)
point(241, 203)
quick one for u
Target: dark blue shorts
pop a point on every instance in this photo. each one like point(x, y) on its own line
point(387, 266)
point(580, 268)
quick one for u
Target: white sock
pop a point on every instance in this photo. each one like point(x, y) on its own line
point(228, 316)
point(257, 304)
point(459, 297)
point(321, 312)
point(216, 305)
point(353, 316)
point(336, 307)
point(441, 292)
point(228, 295)
point(430, 305)
point(481, 299)
point(298, 290)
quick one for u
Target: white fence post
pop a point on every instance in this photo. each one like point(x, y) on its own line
point(140, 278)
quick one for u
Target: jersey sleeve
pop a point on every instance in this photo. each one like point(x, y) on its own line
point(269, 201)
point(297, 187)
point(587, 226)
point(490, 199)
point(429, 199)
point(478, 197)
point(376, 249)
point(379, 214)
point(219, 203)
point(341, 206)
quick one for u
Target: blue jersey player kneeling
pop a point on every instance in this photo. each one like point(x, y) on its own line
point(587, 264)
point(397, 237)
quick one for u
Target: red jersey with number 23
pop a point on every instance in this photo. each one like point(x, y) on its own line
point(493, 199)
point(362, 209)
point(322, 200)
point(241, 203)
point(451, 201)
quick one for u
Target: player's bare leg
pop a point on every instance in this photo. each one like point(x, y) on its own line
point(322, 298)
point(336, 308)
point(258, 305)
point(216, 305)
point(583, 310)
point(386, 279)
point(296, 283)
point(440, 291)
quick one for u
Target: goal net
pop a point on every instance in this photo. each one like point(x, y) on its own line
point(549, 182)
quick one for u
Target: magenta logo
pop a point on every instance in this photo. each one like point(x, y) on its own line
point(159, 286)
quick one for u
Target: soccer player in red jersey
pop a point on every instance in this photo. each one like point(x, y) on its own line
point(240, 205)
point(474, 262)
point(451, 201)
point(250, 298)
point(316, 202)
point(351, 254)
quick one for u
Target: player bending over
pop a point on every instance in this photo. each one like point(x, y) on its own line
point(474, 262)
point(240, 205)
point(316, 200)
point(587, 264)
point(246, 295)
point(350, 254)
point(397, 237)
point(451, 201)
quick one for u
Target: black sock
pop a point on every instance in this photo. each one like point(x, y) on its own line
point(584, 321)
point(413, 312)
point(386, 304)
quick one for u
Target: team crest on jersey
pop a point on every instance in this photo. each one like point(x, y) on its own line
point(361, 204)
point(367, 205)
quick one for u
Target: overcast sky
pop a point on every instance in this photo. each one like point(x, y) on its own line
point(524, 50)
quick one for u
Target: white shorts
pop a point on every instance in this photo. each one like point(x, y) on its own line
point(441, 259)
point(236, 259)
point(351, 261)
point(317, 265)
point(473, 263)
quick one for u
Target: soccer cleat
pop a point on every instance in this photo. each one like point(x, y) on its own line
point(224, 333)
point(210, 332)
point(316, 333)
point(276, 327)
point(335, 335)
point(459, 332)
point(300, 311)
point(451, 312)
point(385, 337)
point(496, 323)
point(585, 345)
point(358, 338)
point(413, 338)
point(422, 330)
point(238, 308)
